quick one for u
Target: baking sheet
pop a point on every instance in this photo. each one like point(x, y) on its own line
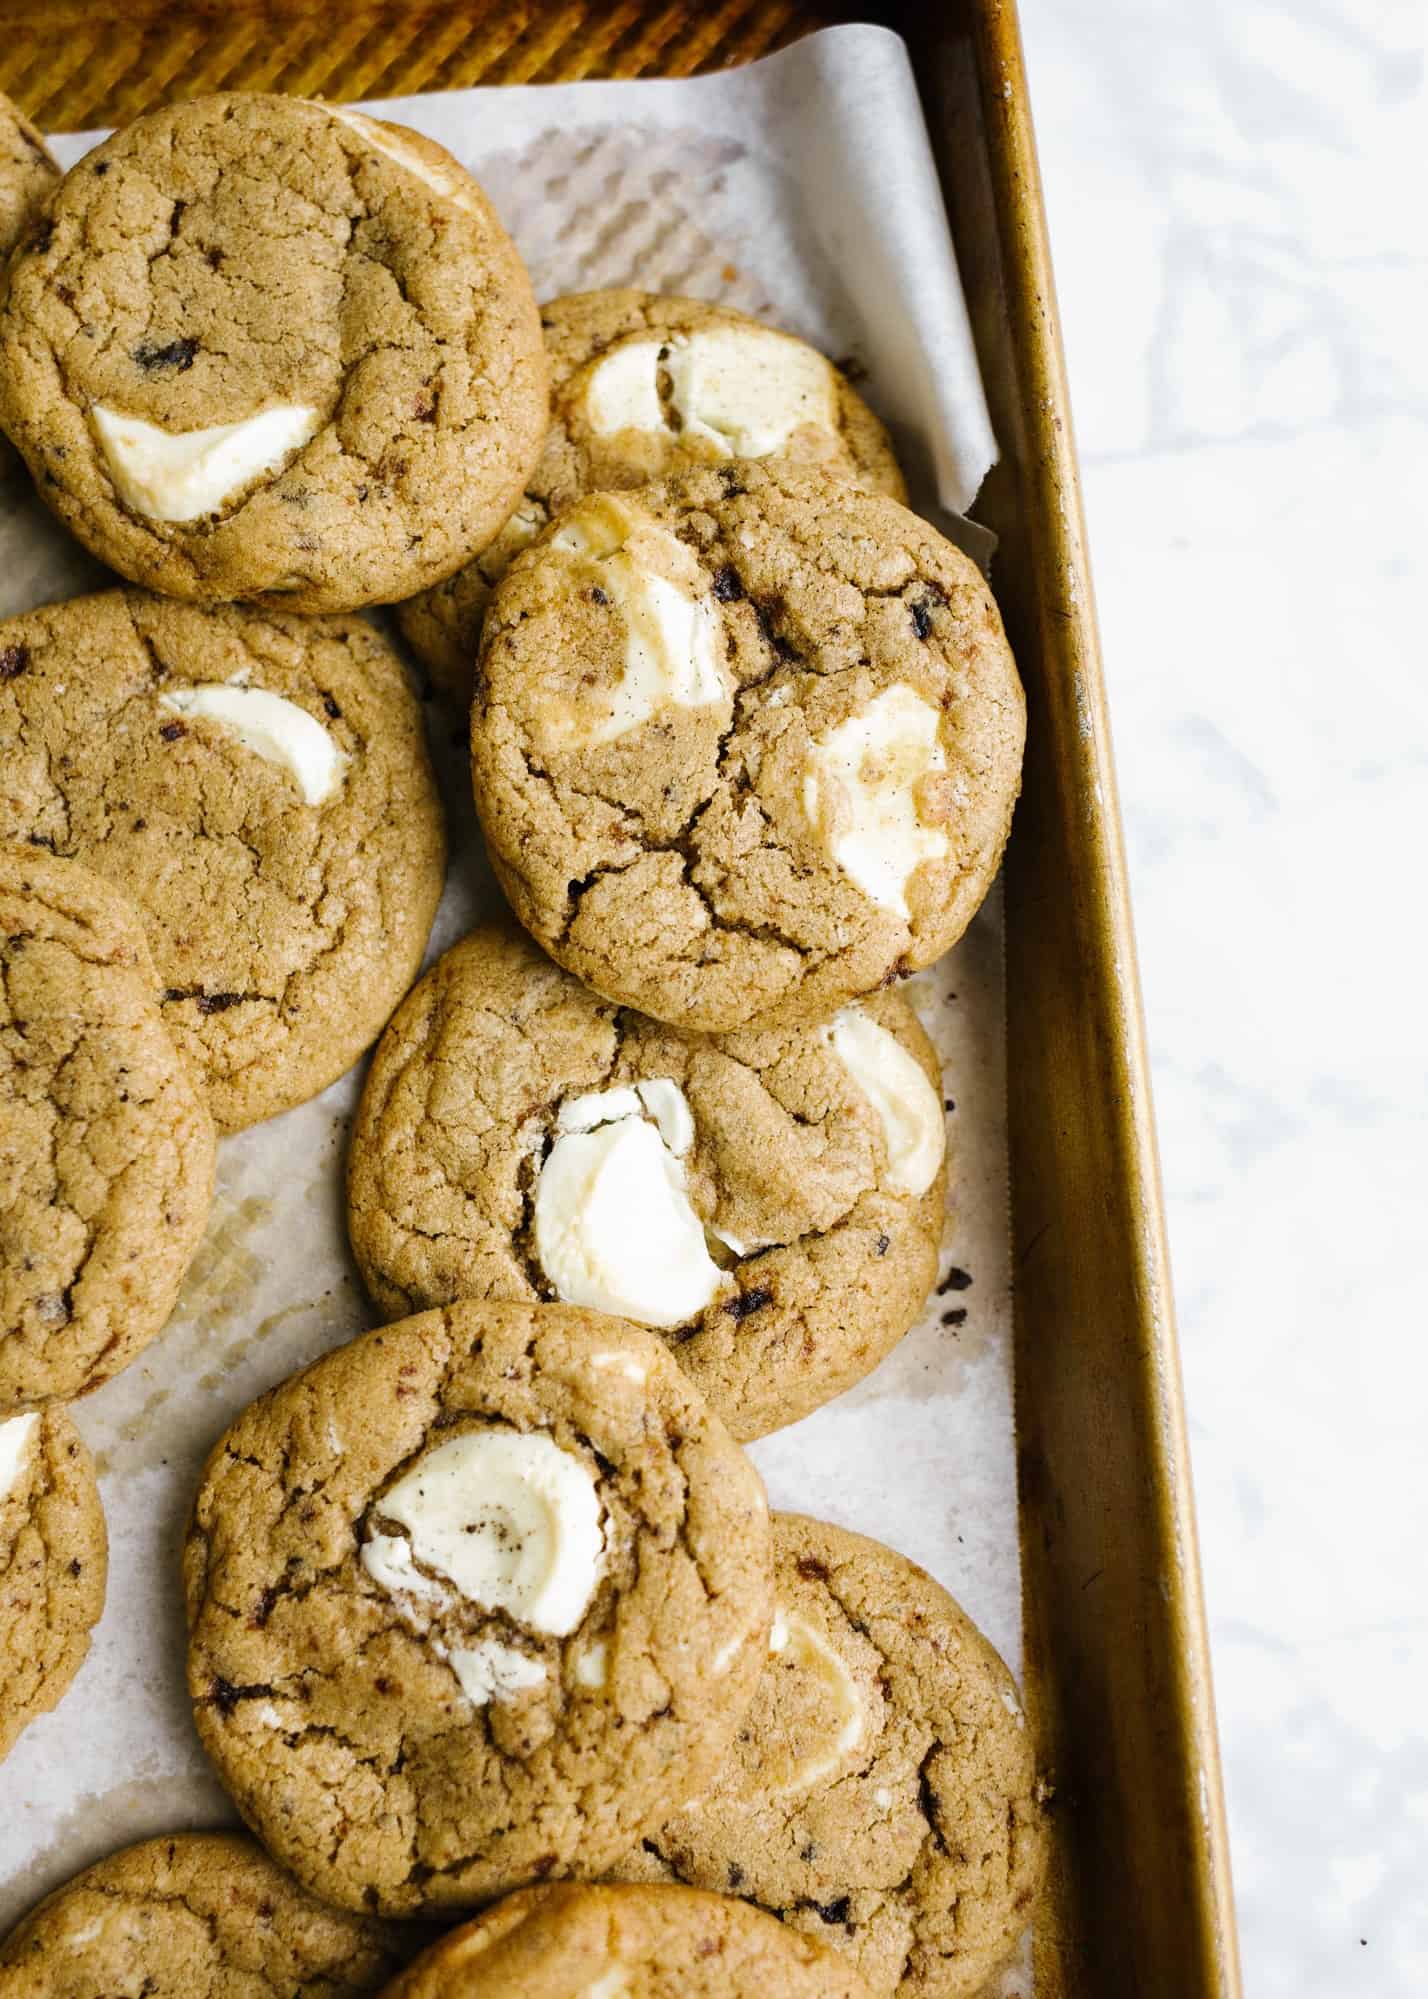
point(801, 188)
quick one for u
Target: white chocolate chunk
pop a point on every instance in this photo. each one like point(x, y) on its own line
point(671, 628)
point(883, 1798)
point(741, 390)
point(492, 1671)
point(511, 1518)
point(621, 390)
point(596, 1107)
point(387, 1558)
point(15, 1439)
point(746, 391)
point(614, 1229)
point(860, 793)
point(611, 1984)
point(908, 1107)
point(384, 139)
point(274, 728)
point(840, 1705)
point(181, 475)
point(592, 1668)
point(621, 1363)
point(669, 1107)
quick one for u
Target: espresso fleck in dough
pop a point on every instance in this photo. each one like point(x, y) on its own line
point(882, 1792)
point(53, 1556)
point(584, 332)
point(284, 931)
point(826, 1252)
point(196, 1916)
point(242, 257)
point(737, 811)
point(587, 1942)
point(405, 1726)
point(106, 1149)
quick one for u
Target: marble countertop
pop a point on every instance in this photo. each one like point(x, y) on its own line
point(1242, 286)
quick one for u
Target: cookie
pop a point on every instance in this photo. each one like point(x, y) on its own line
point(745, 744)
point(771, 1202)
point(199, 1915)
point(584, 1942)
point(643, 386)
point(883, 1792)
point(28, 172)
point(259, 785)
point(53, 1557)
point(106, 1149)
point(473, 1601)
point(276, 350)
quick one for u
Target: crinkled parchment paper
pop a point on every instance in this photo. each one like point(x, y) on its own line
point(801, 189)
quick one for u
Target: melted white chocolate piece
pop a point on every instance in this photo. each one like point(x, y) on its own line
point(274, 728)
point(182, 475)
point(860, 793)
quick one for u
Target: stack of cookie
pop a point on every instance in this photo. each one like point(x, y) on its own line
point(487, 1610)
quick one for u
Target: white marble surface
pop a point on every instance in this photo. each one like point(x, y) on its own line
point(1235, 195)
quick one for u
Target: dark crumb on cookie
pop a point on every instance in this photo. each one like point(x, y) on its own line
point(956, 1317)
point(175, 354)
point(748, 1302)
point(955, 1280)
point(813, 1571)
point(883, 1245)
point(835, 1912)
point(921, 620)
point(333, 711)
point(727, 587)
point(13, 661)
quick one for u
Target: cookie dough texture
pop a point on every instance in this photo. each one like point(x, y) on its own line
point(238, 257)
point(284, 931)
point(53, 1556)
point(195, 1916)
point(28, 173)
point(587, 450)
point(403, 1746)
point(106, 1148)
point(584, 1942)
point(745, 744)
point(882, 1793)
point(787, 1158)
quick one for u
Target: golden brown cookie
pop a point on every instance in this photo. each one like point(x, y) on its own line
point(269, 349)
point(745, 745)
point(53, 1558)
point(259, 785)
point(771, 1202)
point(643, 386)
point(584, 1942)
point(106, 1149)
point(883, 1792)
point(199, 1915)
point(473, 1602)
point(28, 173)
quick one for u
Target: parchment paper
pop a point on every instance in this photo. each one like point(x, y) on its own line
point(801, 188)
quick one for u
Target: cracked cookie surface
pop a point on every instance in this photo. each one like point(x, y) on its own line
point(808, 1218)
point(745, 744)
point(195, 1916)
point(599, 1942)
point(472, 1602)
point(259, 786)
point(106, 1148)
point(333, 295)
point(602, 441)
point(28, 173)
point(53, 1562)
point(882, 1792)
